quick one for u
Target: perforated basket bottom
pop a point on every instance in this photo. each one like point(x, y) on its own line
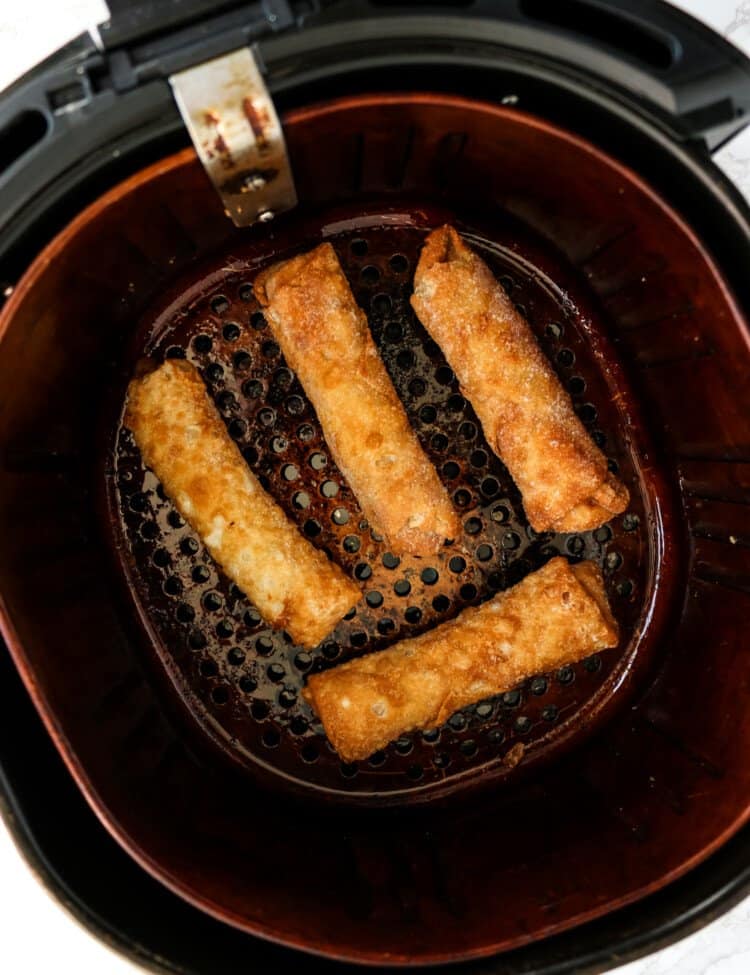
point(241, 679)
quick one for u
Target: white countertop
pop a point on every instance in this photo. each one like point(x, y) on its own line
point(36, 934)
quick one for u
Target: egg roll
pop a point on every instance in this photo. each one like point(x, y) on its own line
point(184, 441)
point(527, 417)
point(326, 340)
point(553, 617)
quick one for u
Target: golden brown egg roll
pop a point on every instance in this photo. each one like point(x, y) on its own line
point(326, 340)
point(553, 617)
point(527, 416)
point(183, 440)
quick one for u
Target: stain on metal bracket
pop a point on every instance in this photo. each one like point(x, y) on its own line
point(237, 134)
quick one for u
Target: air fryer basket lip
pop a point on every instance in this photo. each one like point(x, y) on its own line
point(6, 624)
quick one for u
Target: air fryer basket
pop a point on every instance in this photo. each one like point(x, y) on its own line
point(660, 349)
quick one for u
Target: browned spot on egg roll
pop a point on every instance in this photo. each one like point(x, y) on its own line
point(553, 617)
point(184, 441)
point(527, 416)
point(326, 340)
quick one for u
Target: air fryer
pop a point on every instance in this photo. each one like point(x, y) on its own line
point(571, 144)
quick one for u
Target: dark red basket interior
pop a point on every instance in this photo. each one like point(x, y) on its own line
point(660, 782)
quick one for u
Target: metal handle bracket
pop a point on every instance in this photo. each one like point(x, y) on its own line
point(236, 132)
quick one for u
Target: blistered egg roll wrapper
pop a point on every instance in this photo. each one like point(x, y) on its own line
point(527, 416)
point(555, 616)
point(184, 441)
point(326, 340)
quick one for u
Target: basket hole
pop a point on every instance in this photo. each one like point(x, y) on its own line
point(386, 626)
point(522, 725)
point(220, 695)
point(303, 661)
point(444, 375)
point(398, 264)
point(275, 672)
point(259, 710)
point(402, 587)
point(457, 721)
point(197, 640)
point(173, 586)
point(301, 500)
point(428, 414)
point(575, 545)
point(267, 417)
point(381, 304)
point(473, 526)
point(331, 650)
point(429, 576)
point(413, 615)
point(351, 543)
point(264, 646)
point(362, 571)
point(441, 603)
point(566, 675)
point(258, 320)
point(405, 359)
point(403, 746)
point(329, 489)
point(511, 541)
point(393, 332)
point(312, 528)
point(161, 558)
point(374, 599)
point(236, 656)
point(231, 331)
point(298, 725)
point(468, 748)
point(270, 738)
point(439, 442)
point(212, 601)
point(370, 274)
point(358, 247)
